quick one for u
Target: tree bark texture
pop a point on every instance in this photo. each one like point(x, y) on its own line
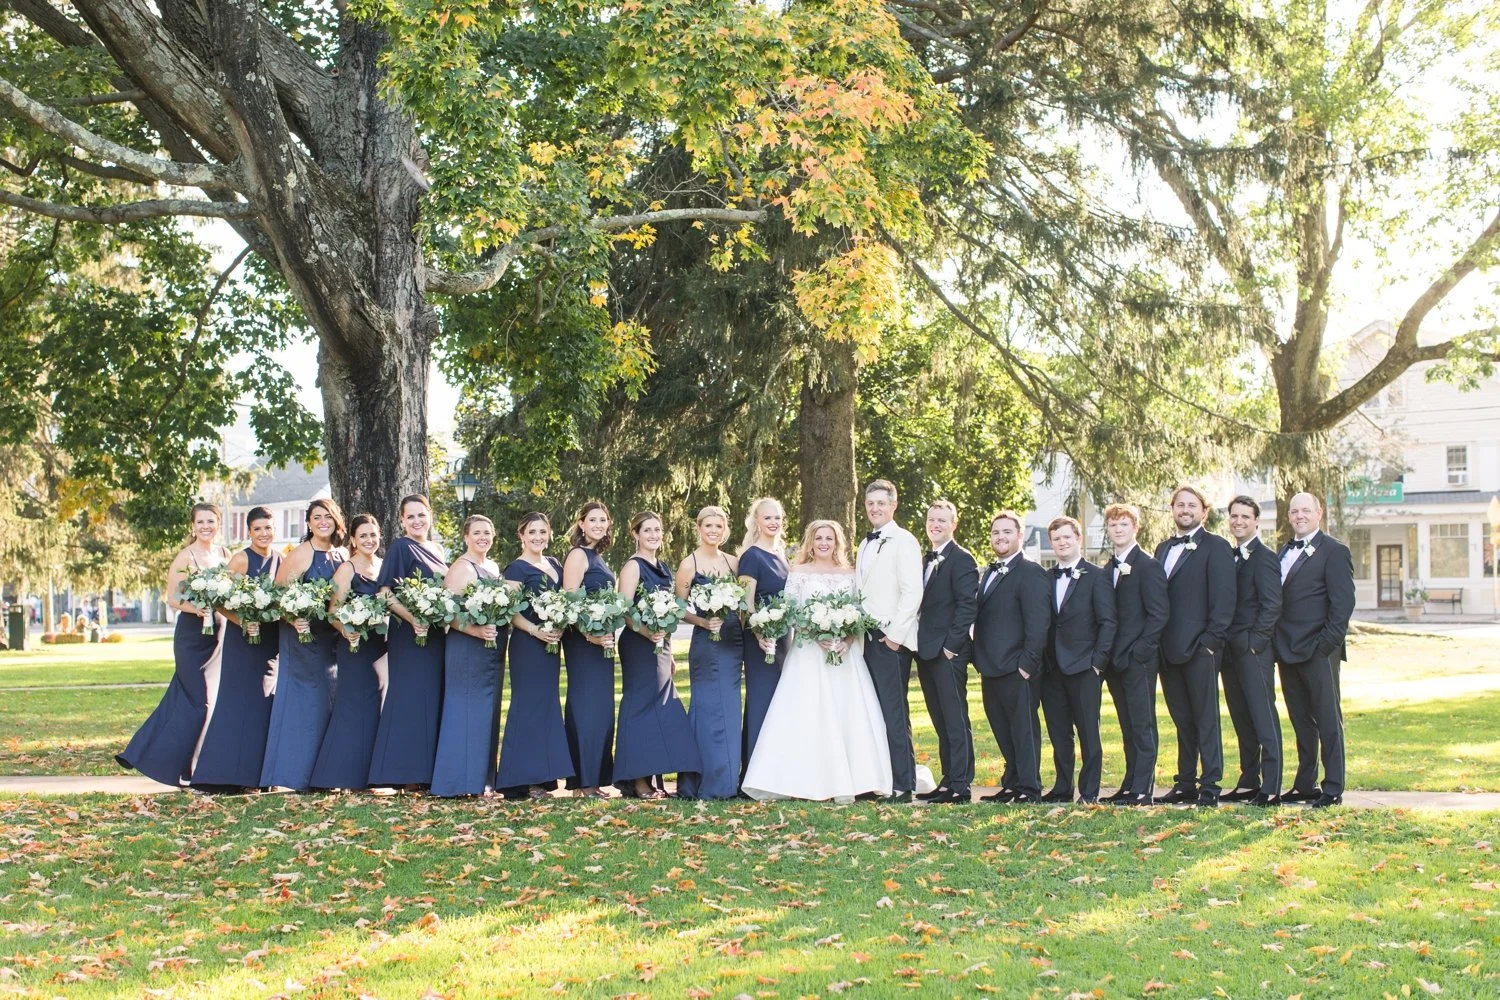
point(825, 426)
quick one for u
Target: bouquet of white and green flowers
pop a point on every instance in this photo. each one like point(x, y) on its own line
point(490, 602)
point(255, 601)
point(208, 588)
point(306, 599)
point(600, 613)
point(361, 614)
point(832, 618)
point(772, 619)
point(658, 611)
point(428, 601)
point(556, 610)
point(720, 597)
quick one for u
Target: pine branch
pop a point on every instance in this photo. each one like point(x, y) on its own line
point(130, 211)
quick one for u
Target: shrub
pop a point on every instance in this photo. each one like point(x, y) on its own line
point(114, 637)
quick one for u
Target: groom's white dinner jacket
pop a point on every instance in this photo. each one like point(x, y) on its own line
point(889, 572)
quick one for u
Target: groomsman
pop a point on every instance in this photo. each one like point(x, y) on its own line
point(1317, 600)
point(1249, 662)
point(1083, 630)
point(1200, 590)
point(888, 570)
point(1140, 616)
point(1010, 633)
point(950, 581)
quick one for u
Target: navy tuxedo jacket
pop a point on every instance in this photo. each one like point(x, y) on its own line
point(1083, 629)
point(1140, 611)
point(1200, 589)
point(948, 602)
point(1317, 601)
point(1012, 620)
point(1257, 598)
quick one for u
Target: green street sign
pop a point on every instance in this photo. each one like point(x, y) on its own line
point(1368, 493)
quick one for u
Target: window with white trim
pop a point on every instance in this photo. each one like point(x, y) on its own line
point(1450, 550)
point(1458, 465)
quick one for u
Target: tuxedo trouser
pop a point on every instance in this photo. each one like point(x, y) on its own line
point(1009, 705)
point(1191, 691)
point(945, 688)
point(1311, 690)
point(1133, 690)
point(1250, 693)
point(890, 670)
point(1071, 702)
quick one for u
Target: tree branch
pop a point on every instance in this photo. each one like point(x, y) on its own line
point(483, 279)
point(94, 100)
point(52, 21)
point(51, 120)
point(130, 211)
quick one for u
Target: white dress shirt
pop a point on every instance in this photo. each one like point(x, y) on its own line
point(1290, 556)
point(1177, 551)
point(1060, 586)
point(932, 563)
point(995, 574)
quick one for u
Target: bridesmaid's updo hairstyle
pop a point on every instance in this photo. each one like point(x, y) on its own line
point(340, 533)
point(529, 519)
point(639, 521)
point(199, 508)
point(258, 514)
point(474, 519)
point(576, 537)
point(359, 521)
point(712, 511)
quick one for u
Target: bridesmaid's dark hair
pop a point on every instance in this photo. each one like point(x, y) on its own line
point(340, 533)
point(359, 521)
point(420, 498)
point(529, 519)
point(576, 537)
point(258, 514)
point(637, 522)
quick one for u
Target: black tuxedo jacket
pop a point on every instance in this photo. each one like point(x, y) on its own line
point(1317, 600)
point(948, 603)
point(1083, 629)
point(1257, 598)
point(1200, 591)
point(1012, 620)
point(1140, 611)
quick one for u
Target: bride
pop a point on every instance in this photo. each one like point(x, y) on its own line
point(824, 735)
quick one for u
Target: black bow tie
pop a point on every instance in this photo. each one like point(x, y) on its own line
point(1114, 562)
point(1297, 544)
point(1179, 539)
point(1059, 572)
point(929, 557)
point(993, 567)
point(872, 536)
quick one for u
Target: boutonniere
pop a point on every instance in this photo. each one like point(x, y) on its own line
point(1309, 550)
point(880, 544)
point(1191, 546)
point(938, 561)
point(1075, 573)
point(1124, 568)
point(1004, 569)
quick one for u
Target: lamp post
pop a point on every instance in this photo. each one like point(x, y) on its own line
point(465, 486)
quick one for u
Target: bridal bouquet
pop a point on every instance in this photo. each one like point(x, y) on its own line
point(600, 613)
point(306, 599)
point(658, 611)
point(772, 620)
point(832, 618)
point(490, 602)
point(254, 601)
point(427, 601)
point(208, 588)
point(361, 614)
point(556, 610)
point(718, 598)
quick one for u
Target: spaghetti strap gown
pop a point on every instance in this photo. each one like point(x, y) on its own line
point(163, 748)
point(234, 744)
point(406, 740)
point(714, 708)
point(534, 749)
point(654, 736)
point(305, 679)
point(589, 712)
point(469, 735)
point(769, 570)
point(344, 759)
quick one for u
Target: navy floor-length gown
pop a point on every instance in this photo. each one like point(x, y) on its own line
point(654, 736)
point(163, 747)
point(349, 741)
point(769, 570)
point(469, 735)
point(589, 712)
point(534, 749)
point(714, 708)
point(234, 745)
point(406, 740)
point(305, 678)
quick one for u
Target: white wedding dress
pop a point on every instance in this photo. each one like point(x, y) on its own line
point(824, 735)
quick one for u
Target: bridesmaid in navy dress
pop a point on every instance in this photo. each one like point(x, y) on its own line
point(344, 759)
point(470, 735)
point(713, 668)
point(763, 571)
point(534, 751)
point(165, 745)
point(406, 741)
point(589, 713)
point(305, 671)
point(234, 744)
point(654, 736)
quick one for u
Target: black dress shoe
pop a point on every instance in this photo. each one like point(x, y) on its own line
point(1132, 800)
point(1325, 800)
point(1059, 795)
point(933, 795)
point(1178, 796)
point(898, 797)
point(1240, 794)
point(1298, 795)
point(1262, 799)
point(1026, 797)
point(1003, 795)
point(1207, 799)
point(952, 795)
point(1119, 796)
point(1088, 800)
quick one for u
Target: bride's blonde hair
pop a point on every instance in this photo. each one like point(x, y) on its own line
point(752, 526)
point(804, 554)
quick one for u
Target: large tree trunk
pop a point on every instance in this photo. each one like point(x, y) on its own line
point(825, 422)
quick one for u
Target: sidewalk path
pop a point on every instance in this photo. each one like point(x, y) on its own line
point(130, 784)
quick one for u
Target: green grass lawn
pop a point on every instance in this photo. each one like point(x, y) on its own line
point(1422, 712)
point(327, 897)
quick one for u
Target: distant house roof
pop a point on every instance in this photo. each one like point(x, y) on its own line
point(288, 485)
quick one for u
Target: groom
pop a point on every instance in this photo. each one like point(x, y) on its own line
point(888, 572)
